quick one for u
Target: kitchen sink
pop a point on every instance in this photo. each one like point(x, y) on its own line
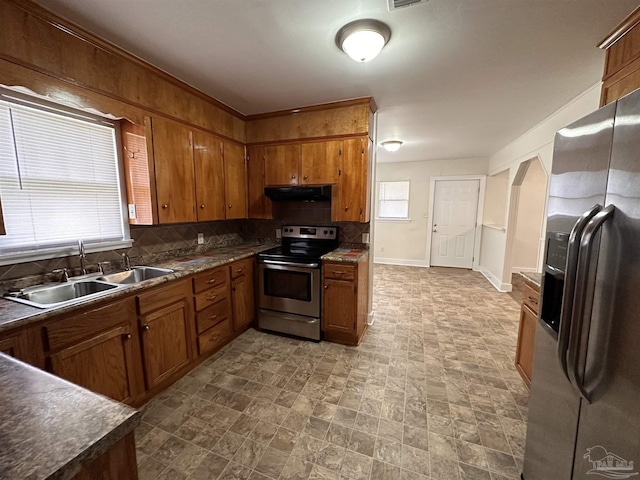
point(59, 294)
point(135, 275)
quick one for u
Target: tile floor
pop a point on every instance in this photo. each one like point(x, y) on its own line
point(431, 393)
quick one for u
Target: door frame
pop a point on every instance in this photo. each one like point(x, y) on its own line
point(478, 236)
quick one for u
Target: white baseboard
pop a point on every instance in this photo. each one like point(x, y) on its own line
point(524, 269)
point(371, 318)
point(493, 280)
point(402, 261)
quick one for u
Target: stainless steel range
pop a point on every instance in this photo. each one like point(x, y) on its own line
point(289, 281)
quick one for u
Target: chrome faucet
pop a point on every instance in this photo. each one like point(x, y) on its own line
point(127, 261)
point(83, 256)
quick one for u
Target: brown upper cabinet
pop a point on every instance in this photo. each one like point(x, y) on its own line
point(350, 201)
point(259, 206)
point(235, 181)
point(320, 162)
point(177, 174)
point(282, 164)
point(622, 62)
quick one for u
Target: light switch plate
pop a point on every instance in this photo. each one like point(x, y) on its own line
point(132, 211)
point(200, 238)
point(365, 238)
point(278, 233)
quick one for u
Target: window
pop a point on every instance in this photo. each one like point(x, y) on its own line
point(59, 181)
point(393, 200)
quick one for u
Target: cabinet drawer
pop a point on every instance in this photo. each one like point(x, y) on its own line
point(212, 278)
point(209, 297)
point(72, 329)
point(213, 315)
point(531, 298)
point(241, 267)
point(339, 272)
point(214, 337)
point(159, 297)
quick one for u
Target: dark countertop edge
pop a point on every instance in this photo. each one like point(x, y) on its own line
point(35, 315)
point(533, 278)
point(71, 467)
point(337, 257)
point(75, 465)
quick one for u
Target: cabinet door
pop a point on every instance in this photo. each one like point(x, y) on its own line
point(319, 162)
point(242, 300)
point(136, 142)
point(281, 164)
point(339, 306)
point(209, 176)
point(165, 341)
point(259, 205)
point(352, 187)
point(526, 340)
point(104, 364)
point(173, 160)
point(235, 181)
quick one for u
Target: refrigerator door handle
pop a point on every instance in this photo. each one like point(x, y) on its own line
point(566, 311)
point(583, 279)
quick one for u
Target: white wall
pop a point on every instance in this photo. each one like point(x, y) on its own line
point(536, 142)
point(531, 211)
point(405, 242)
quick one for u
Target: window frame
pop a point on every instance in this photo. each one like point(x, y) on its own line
point(40, 103)
point(379, 200)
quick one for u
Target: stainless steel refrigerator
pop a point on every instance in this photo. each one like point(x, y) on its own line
point(584, 408)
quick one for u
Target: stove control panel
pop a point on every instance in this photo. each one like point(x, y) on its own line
point(318, 232)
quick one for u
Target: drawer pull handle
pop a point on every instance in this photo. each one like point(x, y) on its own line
point(212, 281)
point(338, 272)
point(239, 270)
point(533, 300)
point(146, 327)
point(211, 297)
point(126, 336)
point(213, 317)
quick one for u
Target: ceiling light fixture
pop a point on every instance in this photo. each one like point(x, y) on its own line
point(364, 39)
point(391, 145)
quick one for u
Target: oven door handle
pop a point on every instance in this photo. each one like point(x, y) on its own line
point(290, 264)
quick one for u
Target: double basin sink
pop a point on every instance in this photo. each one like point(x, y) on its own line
point(89, 286)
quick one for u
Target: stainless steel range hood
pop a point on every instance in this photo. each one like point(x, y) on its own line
point(302, 193)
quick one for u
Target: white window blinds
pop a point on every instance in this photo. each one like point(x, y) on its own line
point(393, 200)
point(59, 181)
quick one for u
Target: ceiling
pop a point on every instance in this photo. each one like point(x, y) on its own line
point(458, 79)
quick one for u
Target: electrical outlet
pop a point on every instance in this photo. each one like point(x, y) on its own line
point(365, 238)
point(278, 233)
point(381, 249)
point(200, 238)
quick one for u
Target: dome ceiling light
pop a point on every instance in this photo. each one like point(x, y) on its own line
point(364, 39)
point(391, 145)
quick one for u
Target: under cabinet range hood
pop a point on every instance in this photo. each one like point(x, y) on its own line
point(303, 193)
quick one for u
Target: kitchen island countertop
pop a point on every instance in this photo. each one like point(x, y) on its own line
point(51, 428)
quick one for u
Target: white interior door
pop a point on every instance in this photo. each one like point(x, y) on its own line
point(454, 223)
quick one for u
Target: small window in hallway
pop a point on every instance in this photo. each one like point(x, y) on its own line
point(393, 200)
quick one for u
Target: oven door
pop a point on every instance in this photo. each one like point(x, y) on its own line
point(290, 287)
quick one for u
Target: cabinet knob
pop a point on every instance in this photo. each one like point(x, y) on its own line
point(326, 286)
point(293, 177)
point(126, 336)
point(165, 206)
point(146, 327)
point(202, 206)
point(346, 208)
point(234, 288)
point(305, 177)
point(229, 206)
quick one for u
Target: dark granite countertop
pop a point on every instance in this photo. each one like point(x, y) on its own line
point(14, 314)
point(533, 278)
point(349, 255)
point(51, 428)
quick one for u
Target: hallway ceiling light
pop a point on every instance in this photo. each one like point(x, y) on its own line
point(391, 145)
point(364, 39)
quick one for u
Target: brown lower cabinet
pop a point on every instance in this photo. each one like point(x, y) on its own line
point(167, 331)
point(344, 301)
point(242, 294)
point(527, 331)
